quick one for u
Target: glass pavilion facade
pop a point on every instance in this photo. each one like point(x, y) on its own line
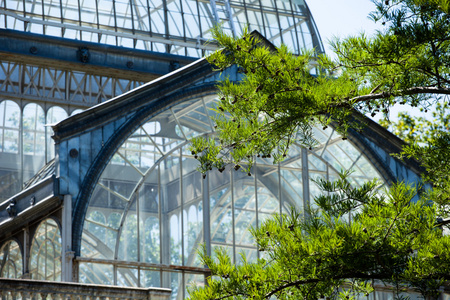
point(111, 195)
point(151, 208)
point(33, 95)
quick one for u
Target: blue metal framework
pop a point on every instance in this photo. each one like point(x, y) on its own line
point(80, 33)
point(134, 207)
point(142, 209)
point(122, 201)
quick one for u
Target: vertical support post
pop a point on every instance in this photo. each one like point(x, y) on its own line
point(21, 135)
point(183, 260)
point(206, 215)
point(233, 218)
point(280, 199)
point(230, 16)
point(26, 251)
point(138, 227)
point(305, 180)
point(214, 10)
point(164, 232)
point(166, 24)
point(66, 230)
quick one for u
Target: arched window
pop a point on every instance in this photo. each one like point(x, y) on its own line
point(54, 115)
point(10, 167)
point(33, 139)
point(45, 253)
point(11, 260)
point(33, 130)
point(76, 111)
point(9, 126)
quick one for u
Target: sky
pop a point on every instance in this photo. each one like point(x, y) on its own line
point(342, 18)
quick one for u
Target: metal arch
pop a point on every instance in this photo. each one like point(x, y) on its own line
point(132, 198)
point(262, 180)
point(98, 165)
point(140, 117)
point(315, 36)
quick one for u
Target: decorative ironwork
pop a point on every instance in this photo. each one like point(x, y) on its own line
point(84, 55)
point(55, 86)
point(11, 208)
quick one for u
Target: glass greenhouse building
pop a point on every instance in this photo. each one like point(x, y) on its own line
point(117, 45)
point(98, 101)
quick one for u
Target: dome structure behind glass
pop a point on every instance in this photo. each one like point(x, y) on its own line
point(179, 27)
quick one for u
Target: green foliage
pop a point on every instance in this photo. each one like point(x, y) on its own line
point(435, 158)
point(391, 238)
point(341, 198)
point(280, 98)
point(421, 130)
point(429, 141)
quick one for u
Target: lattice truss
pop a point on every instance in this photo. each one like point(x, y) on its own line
point(53, 85)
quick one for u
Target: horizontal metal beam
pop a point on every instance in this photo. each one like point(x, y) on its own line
point(101, 59)
point(162, 267)
point(266, 10)
point(29, 206)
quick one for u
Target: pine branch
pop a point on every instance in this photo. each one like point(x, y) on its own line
point(410, 91)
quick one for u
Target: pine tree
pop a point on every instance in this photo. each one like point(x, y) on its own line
point(390, 238)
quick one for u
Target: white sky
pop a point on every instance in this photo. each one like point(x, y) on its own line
point(344, 18)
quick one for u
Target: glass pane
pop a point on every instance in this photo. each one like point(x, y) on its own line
point(45, 253)
point(54, 115)
point(9, 149)
point(96, 273)
point(150, 278)
point(11, 260)
point(128, 244)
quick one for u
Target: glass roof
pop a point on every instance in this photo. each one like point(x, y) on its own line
point(172, 26)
